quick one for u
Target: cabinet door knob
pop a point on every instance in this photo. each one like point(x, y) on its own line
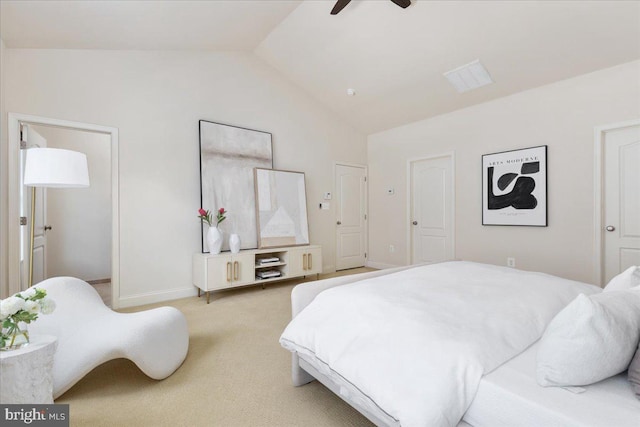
point(415, 222)
point(339, 222)
point(610, 228)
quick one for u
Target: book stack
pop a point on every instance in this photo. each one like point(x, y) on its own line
point(266, 261)
point(267, 274)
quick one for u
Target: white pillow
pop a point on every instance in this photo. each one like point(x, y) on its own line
point(628, 279)
point(592, 338)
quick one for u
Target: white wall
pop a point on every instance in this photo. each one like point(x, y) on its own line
point(561, 115)
point(155, 99)
point(79, 244)
point(4, 277)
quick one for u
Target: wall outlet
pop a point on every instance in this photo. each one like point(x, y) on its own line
point(392, 248)
point(511, 262)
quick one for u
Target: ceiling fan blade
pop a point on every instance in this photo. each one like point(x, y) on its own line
point(402, 3)
point(340, 4)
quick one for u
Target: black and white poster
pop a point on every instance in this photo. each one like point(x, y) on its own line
point(514, 187)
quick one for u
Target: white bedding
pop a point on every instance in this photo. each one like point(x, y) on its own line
point(417, 342)
point(511, 393)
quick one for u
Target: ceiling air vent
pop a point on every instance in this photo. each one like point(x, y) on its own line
point(468, 77)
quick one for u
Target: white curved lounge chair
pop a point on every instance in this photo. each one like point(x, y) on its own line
point(89, 334)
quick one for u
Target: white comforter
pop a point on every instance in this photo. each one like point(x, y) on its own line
point(416, 343)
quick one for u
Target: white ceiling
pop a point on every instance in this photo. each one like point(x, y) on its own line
point(141, 25)
point(394, 58)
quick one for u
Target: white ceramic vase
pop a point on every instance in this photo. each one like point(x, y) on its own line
point(214, 240)
point(234, 243)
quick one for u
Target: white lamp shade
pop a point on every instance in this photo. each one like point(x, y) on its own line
point(57, 168)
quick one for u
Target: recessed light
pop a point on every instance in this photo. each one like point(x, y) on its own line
point(470, 76)
point(351, 92)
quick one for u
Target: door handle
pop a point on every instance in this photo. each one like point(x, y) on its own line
point(48, 227)
point(339, 222)
point(235, 270)
point(309, 262)
point(228, 271)
point(304, 261)
point(610, 228)
point(415, 222)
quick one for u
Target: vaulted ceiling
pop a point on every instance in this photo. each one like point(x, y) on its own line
point(393, 58)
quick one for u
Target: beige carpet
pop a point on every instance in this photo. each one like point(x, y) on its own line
point(236, 374)
point(104, 290)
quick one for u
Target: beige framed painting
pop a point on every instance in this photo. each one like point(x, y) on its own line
point(228, 155)
point(281, 208)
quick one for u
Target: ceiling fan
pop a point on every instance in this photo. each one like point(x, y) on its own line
point(340, 4)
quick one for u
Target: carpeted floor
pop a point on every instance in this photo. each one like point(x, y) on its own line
point(104, 290)
point(236, 373)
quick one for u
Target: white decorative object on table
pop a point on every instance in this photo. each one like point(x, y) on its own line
point(214, 240)
point(214, 234)
point(27, 372)
point(234, 243)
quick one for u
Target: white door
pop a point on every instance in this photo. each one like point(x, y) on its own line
point(32, 139)
point(622, 200)
point(432, 210)
point(351, 211)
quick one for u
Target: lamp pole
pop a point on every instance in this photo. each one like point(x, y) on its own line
point(31, 234)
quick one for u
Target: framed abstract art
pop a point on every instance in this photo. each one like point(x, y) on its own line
point(228, 155)
point(281, 208)
point(514, 187)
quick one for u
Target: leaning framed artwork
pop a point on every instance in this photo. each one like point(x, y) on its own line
point(514, 187)
point(281, 208)
point(228, 155)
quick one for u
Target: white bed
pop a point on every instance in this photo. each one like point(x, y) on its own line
point(505, 397)
point(511, 393)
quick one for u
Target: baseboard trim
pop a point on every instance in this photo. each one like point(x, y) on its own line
point(381, 265)
point(154, 297)
point(328, 269)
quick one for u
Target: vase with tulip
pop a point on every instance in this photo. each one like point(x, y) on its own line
point(214, 234)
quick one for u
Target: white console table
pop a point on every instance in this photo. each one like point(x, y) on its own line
point(227, 270)
point(27, 373)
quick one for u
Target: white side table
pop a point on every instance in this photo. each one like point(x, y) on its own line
point(27, 373)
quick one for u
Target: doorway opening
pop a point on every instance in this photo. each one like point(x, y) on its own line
point(75, 230)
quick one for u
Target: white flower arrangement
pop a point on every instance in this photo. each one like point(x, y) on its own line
point(22, 307)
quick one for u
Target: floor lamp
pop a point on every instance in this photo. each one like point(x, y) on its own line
point(52, 168)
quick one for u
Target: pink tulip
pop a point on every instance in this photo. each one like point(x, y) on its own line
point(222, 211)
point(202, 212)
